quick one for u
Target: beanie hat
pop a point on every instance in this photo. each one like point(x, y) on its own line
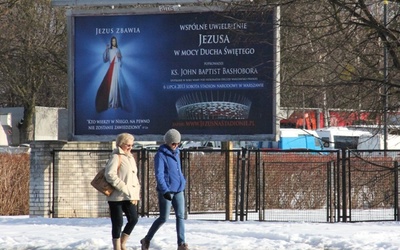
point(172, 136)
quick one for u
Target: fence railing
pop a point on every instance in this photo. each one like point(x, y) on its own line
point(273, 185)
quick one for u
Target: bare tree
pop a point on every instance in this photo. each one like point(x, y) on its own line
point(376, 47)
point(333, 55)
point(33, 71)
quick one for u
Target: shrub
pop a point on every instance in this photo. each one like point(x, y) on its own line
point(14, 184)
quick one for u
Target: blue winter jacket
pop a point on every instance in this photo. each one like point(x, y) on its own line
point(167, 167)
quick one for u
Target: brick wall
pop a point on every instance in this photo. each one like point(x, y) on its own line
point(73, 172)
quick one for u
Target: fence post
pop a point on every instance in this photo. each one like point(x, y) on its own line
point(396, 191)
point(144, 175)
point(242, 184)
point(344, 189)
point(332, 192)
point(260, 195)
point(186, 171)
point(227, 146)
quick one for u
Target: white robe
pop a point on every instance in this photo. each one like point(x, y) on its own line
point(114, 55)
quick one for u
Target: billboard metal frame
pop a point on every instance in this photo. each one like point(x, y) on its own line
point(71, 14)
point(128, 2)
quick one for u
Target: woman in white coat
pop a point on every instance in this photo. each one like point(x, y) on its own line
point(121, 172)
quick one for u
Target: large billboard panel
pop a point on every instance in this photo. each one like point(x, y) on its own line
point(203, 73)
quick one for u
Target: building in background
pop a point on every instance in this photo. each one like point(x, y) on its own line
point(49, 124)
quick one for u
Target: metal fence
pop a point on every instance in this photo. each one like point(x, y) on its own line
point(369, 183)
point(312, 186)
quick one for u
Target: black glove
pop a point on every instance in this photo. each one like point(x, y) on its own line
point(168, 196)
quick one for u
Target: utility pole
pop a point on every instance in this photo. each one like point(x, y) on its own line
point(385, 75)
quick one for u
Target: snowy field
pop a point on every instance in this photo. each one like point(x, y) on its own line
point(23, 233)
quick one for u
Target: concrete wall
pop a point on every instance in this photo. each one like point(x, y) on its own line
point(49, 123)
point(17, 113)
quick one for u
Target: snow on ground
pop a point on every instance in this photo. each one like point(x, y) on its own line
point(23, 233)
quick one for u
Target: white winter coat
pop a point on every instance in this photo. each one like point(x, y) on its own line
point(125, 179)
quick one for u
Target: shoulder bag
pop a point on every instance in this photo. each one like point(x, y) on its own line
point(100, 183)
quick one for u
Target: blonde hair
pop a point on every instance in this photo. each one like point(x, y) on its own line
point(124, 138)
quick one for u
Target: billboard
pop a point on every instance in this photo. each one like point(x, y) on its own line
point(207, 74)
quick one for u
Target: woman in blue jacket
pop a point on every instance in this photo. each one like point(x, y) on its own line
point(170, 186)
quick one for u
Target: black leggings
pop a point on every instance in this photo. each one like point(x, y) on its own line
point(117, 220)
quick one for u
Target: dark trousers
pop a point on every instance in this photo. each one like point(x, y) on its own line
point(117, 208)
